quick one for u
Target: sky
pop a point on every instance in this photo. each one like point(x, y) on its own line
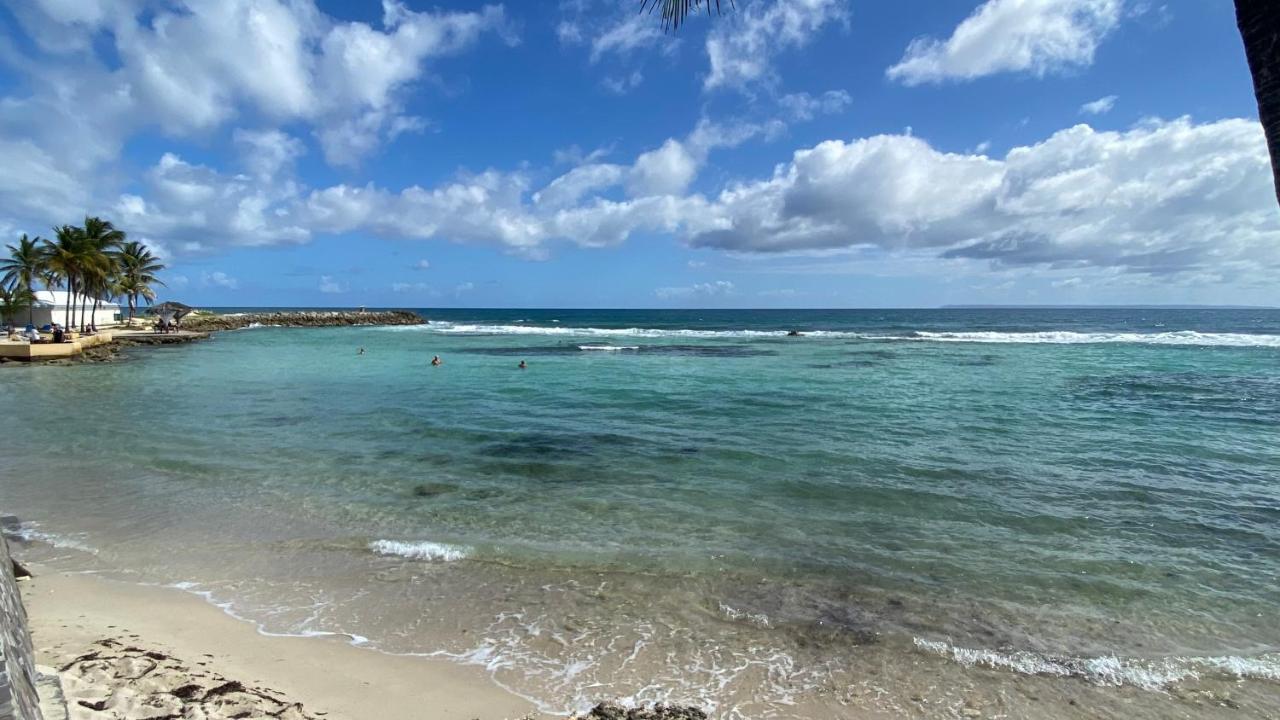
point(570, 153)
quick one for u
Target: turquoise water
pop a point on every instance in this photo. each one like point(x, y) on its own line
point(694, 505)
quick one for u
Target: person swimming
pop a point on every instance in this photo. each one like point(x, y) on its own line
point(522, 366)
point(360, 351)
point(436, 360)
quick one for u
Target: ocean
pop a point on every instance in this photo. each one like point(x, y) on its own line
point(894, 513)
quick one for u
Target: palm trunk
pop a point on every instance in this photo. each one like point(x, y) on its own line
point(67, 320)
point(1259, 22)
point(93, 319)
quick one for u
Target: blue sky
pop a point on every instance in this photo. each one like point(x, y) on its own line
point(811, 153)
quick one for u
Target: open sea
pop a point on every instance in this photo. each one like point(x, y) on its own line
point(898, 513)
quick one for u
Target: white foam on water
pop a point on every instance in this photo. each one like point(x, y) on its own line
point(1154, 675)
point(1052, 337)
point(228, 608)
point(733, 613)
point(1063, 337)
point(436, 552)
point(608, 348)
point(28, 532)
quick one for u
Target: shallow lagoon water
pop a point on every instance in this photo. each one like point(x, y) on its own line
point(898, 512)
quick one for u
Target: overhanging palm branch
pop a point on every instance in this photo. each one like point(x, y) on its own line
point(1259, 22)
point(675, 12)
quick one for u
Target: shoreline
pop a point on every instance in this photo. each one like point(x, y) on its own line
point(70, 614)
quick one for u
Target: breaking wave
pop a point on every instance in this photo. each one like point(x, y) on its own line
point(1064, 337)
point(1051, 337)
point(1155, 675)
point(29, 532)
point(435, 552)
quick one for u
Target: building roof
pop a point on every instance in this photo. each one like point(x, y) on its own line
point(58, 299)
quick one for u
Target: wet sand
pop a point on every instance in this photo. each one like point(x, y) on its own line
point(146, 642)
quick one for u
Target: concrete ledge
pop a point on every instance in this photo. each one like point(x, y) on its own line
point(27, 352)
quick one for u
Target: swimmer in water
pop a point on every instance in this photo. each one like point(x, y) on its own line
point(436, 360)
point(522, 366)
point(360, 351)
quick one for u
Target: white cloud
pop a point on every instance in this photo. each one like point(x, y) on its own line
point(1162, 198)
point(421, 265)
point(667, 170)
point(623, 85)
point(267, 152)
point(628, 34)
point(570, 187)
point(803, 106)
point(1165, 197)
point(330, 286)
point(194, 65)
point(417, 288)
point(1101, 106)
point(1031, 36)
point(718, 288)
point(742, 45)
point(219, 279)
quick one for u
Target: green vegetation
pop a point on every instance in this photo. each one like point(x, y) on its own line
point(93, 262)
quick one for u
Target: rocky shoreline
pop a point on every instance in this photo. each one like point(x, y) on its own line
point(209, 322)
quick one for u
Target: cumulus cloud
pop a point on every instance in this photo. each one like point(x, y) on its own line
point(1101, 106)
point(219, 279)
point(742, 46)
point(1160, 198)
point(1031, 36)
point(698, 290)
point(195, 65)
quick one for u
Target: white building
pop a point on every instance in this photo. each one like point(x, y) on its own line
point(51, 307)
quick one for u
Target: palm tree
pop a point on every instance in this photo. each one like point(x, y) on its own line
point(24, 266)
point(99, 243)
point(62, 264)
point(138, 268)
point(1259, 22)
point(14, 300)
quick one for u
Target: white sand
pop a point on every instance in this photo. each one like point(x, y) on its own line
point(192, 643)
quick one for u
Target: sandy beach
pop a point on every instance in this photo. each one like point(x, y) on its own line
point(144, 643)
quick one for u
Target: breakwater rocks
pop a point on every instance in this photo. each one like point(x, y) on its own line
point(208, 322)
point(18, 695)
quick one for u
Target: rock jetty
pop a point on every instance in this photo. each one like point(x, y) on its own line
point(209, 322)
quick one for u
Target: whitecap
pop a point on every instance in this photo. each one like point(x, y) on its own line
point(1112, 670)
point(438, 552)
point(1064, 337)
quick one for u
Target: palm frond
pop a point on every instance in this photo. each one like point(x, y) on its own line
point(676, 12)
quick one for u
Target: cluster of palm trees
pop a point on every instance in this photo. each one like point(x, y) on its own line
point(93, 261)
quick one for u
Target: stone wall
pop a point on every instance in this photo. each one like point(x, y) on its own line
point(18, 697)
point(207, 322)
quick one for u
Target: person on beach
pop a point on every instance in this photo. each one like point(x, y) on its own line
point(436, 361)
point(58, 335)
point(522, 366)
